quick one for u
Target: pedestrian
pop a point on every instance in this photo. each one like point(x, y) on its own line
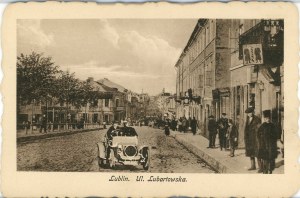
point(173, 124)
point(222, 126)
point(184, 124)
point(189, 124)
point(267, 143)
point(109, 136)
point(212, 130)
point(179, 125)
point(232, 136)
point(194, 125)
point(167, 129)
point(251, 127)
point(43, 124)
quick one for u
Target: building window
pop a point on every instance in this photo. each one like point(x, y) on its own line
point(207, 35)
point(95, 118)
point(117, 102)
point(208, 72)
point(201, 81)
point(106, 102)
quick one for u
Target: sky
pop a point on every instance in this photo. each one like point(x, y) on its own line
point(139, 54)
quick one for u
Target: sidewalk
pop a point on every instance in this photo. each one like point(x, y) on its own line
point(217, 159)
point(23, 137)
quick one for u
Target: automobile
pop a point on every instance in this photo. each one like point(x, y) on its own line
point(123, 149)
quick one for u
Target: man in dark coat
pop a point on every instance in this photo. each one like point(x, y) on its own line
point(184, 124)
point(212, 131)
point(267, 143)
point(223, 126)
point(194, 125)
point(251, 127)
point(43, 124)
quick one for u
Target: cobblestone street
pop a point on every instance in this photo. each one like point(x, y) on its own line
point(78, 153)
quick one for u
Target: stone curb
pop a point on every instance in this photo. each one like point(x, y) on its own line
point(210, 160)
point(31, 138)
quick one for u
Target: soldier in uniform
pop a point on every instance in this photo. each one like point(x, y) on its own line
point(223, 126)
point(267, 143)
point(251, 127)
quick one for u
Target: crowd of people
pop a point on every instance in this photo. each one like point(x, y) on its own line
point(260, 138)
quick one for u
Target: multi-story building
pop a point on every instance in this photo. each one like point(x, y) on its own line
point(165, 102)
point(229, 65)
point(109, 106)
point(256, 83)
point(202, 70)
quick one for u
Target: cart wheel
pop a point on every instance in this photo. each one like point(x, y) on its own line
point(111, 159)
point(146, 164)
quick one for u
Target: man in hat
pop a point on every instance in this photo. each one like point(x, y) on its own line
point(223, 126)
point(267, 143)
point(212, 129)
point(251, 127)
point(111, 129)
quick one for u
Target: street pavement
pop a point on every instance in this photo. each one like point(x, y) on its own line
point(220, 160)
point(78, 153)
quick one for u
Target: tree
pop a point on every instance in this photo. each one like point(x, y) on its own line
point(35, 77)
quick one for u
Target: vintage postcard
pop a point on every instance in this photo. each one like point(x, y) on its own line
point(150, 100)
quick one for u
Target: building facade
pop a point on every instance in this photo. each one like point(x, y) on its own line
point(258, 84)
point(218, 73)
point(202, 70)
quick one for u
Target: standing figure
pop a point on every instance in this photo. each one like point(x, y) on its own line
point(44, 124)
point(179, 124)
point(251, 127)
point(233, 136)
point(212, 129)
point(223, 126)
point(267, 143)
point(194, 125)
point(189, 124)
point(109, 136)
point(167, 129)
point(184, 124)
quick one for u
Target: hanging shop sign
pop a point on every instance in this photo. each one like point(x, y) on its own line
point(252, 54)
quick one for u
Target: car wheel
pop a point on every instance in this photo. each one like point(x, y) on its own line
point(111, 159)
point(101, 162)
point(146, 164)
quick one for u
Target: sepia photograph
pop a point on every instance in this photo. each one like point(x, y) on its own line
point(156, 95)
point(124, 100)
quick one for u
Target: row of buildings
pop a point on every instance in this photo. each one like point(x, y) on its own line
point(229, 65)
point(115, 104)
